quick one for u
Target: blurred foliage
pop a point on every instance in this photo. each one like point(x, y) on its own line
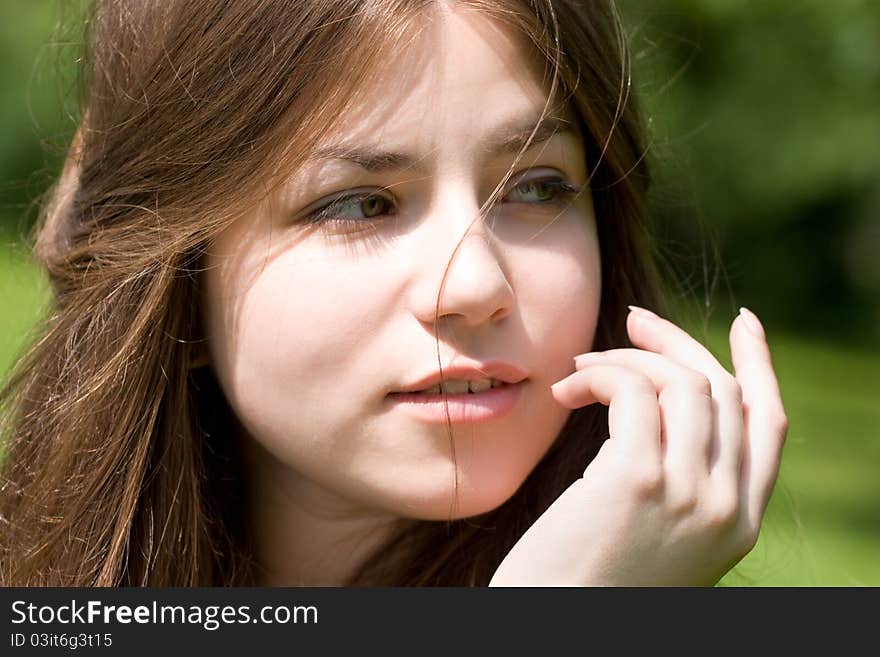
point(766, 127)
point(37, 103)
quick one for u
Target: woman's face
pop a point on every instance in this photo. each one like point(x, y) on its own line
point(311, 329)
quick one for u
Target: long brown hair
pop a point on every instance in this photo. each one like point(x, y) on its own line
point(119, 468)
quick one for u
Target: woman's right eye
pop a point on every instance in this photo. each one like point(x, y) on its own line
point(353, 208)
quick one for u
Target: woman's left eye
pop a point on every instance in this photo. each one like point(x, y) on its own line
point(542, 190)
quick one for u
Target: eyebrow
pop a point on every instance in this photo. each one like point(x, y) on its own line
point(509, 137)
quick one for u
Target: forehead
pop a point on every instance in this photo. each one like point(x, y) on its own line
point(464, 80)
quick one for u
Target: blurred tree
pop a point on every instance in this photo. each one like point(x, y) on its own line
point(766, 131)
point(37, 70)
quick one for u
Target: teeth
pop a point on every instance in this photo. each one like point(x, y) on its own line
point(480, 385)
point(460, 387)
point(455, 386)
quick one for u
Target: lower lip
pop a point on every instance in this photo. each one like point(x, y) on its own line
point(463, 408)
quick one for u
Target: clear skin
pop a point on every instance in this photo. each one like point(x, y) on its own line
point(309, 330)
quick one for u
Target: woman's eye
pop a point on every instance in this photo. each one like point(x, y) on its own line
point(353, 208)
point(542, 190)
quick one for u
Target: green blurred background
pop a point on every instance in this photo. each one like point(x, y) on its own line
point(764, 130)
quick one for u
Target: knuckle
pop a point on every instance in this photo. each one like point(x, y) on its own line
point(648, 483)
point(730, 387)
point(724, 512)
point(640, 384)
point(683, 503)
point(699, 382)
point(780, 425)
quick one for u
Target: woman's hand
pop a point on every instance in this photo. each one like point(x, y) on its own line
point(676, 496)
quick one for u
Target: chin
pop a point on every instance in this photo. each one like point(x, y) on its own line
point(476, 495)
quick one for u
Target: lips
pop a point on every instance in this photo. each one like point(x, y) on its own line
point(502, 372)
point(492, 404)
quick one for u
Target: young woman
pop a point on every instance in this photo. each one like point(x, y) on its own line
point(341, 298)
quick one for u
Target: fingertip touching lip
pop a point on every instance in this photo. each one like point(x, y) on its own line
point(470, 370)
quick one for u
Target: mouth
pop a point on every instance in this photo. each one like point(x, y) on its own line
point(457, 387)
point(462, 405)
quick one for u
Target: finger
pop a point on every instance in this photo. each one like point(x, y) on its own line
point(685, 399)
point(633, 412)
point(765, 420)
point(653, 333)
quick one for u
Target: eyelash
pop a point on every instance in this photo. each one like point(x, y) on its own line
point(563, 191)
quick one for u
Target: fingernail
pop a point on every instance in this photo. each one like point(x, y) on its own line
point(752, 323)
point(641, 311)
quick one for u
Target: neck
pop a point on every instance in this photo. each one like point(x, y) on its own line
point(304, 534)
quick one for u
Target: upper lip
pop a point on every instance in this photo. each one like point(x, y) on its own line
point(469, 371)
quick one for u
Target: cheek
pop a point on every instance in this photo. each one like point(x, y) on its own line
point(292, 324)
point(559, 291)
point(281, 328)
point(288, 334)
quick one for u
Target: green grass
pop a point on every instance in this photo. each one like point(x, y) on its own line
point(23, 299)
point(823, 524)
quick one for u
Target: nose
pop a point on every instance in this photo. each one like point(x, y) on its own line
point(477, 289)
